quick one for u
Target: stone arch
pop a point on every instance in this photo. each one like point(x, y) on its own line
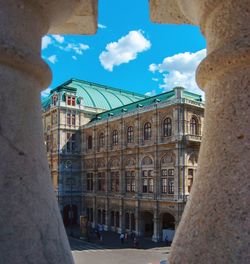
point(89, 164)
point(168, 158)
point(130, 161)
point(192, 159)
point(147, 223)
point(147, 161)
point(195, 124)
point(114, 162)
point(167, 220)
point(101, 163)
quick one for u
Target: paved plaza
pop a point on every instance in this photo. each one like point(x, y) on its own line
point(111, 251)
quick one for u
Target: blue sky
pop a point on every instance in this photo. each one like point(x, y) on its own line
point(128, 51)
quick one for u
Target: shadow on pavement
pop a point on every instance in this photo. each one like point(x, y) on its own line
point(111, 240)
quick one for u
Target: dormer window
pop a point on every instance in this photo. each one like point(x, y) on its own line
point(54, 99)
point(71, 100)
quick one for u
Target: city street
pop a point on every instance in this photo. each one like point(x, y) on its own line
point(111, 251)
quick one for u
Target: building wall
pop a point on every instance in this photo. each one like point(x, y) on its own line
point(93, 179)
point(152, 210)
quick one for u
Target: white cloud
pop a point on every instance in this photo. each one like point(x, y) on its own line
point(155, 79)
point(153, 67)
point(52, 59)
point(151, 93)
point(101, 26)
point(74, 57)
point(46, 41)
point(179, 70)
point(124, 50)
point(46, 92)
point(78, 48)
point(58, 38)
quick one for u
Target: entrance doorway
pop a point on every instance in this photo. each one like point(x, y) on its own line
point(70, 215)
point(147, 224)
point(168, 221)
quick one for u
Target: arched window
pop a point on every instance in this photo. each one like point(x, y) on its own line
point(130, 134)
point(101, 140)
point(147, 131)
point(194, 126)
point(90, 142)
point(167, 127)
point(115, 137)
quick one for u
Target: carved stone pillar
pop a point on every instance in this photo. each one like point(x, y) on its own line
point(156, 235)
point(215, 224)
point(30, 222)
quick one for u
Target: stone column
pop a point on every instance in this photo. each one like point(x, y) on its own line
point(156, 235)
point(137, 221)
point(30, 222)
point(121, 216)
point(215, 224)
point(94, 212)
point(107, 219)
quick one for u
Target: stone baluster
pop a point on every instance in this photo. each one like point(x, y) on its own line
point(30, 222)
point(215, 224)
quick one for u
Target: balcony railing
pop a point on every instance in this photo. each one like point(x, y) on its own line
point(196, 138)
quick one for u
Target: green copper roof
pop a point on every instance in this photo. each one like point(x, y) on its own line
point(97, 95)
point(146, 102)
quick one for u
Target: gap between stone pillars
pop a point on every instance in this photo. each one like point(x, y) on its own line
point(215, 225)
point(31, 229)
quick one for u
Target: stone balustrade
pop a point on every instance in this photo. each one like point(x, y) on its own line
point(215, 225)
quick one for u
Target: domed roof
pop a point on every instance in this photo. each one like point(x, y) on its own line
point(99, 96)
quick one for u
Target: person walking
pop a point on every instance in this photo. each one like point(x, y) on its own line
point(122, 238)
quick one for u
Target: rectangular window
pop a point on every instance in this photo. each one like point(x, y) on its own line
point(73, 119)
point(69, 100)
point(73, 101)
point(171, 172)
point(90, 181)
point(171, 186)
point(130, 181)
point(164, 185)
point(115, 181)
point(151, 185)
point(164, 173)
point(69, 118)
point(101, 181)
point(145, 186)
point(71, 142)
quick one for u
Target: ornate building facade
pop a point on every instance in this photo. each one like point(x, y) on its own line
point(125, 160)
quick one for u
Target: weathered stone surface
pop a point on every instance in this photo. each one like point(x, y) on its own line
point(215, 224)
point(84, 20)
point(31, 229)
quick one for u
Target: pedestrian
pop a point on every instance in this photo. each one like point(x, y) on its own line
point(136, 243)
point(166, 240)
point(126, 237)
point(132, 235)
point(122, 238)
